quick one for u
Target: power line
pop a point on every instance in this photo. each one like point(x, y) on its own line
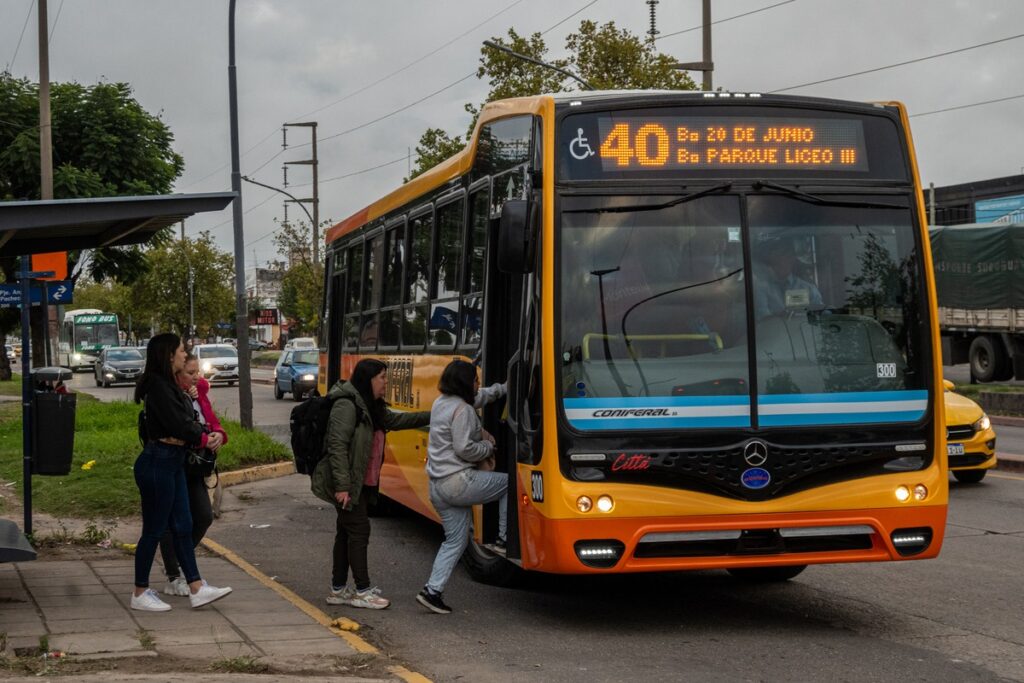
point(23, 27)
point(720, 21)
point(968, 106)
point(360, 90)
point(909, 61)
point(414, 62)
point(571, 16)
point(56, 19)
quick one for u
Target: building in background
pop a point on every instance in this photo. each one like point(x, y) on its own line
point(263, 289)
point(999, 200)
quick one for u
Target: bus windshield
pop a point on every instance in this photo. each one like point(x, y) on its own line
point(95, 335)
point(656, 332)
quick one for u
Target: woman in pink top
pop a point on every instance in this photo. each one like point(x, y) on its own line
point(198, 389)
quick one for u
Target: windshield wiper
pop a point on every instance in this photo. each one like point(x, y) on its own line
point(824, 201)
point(653, 207)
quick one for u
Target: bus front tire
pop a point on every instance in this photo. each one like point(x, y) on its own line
point(487, 567)
point(969, 476)
point(766, 574)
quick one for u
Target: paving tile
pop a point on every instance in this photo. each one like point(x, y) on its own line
point(332, 645)
point(217, 633)
point(209, 653)
point(293, 632)
point(89, 625)
point(34, 582)
point(64, 589)
point(181, 617)
point(90, 643)
point(95, 600)
point(246, 619)
point(73, 611)
point(64, 568)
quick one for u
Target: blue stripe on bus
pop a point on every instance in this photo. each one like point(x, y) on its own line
point(808, 419)
point(661, 423)
point(846, 397)
point(655, 401)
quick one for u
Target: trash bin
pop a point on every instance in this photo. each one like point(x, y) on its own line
point(53, 422)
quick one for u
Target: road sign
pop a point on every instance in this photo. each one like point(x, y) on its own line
point(59, 292)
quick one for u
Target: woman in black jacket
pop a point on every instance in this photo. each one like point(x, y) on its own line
point(170, 426)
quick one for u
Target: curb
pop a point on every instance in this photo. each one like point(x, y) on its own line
point(258, 473)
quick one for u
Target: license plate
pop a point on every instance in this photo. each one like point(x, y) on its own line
point(955, 448)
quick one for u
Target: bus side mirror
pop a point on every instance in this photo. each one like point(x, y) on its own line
point(515, 236)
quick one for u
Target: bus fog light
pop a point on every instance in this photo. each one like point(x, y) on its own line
point(584, 504)
point(920, 492)
point(902, 493)
point(605, 503)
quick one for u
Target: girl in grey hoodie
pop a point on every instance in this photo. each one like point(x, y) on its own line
point(458, 451)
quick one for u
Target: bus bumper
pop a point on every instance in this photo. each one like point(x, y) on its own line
point(640, 544)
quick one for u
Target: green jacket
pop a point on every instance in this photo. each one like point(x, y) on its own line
point(349, 442)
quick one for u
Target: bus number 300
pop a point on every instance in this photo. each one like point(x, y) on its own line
point(886, 370)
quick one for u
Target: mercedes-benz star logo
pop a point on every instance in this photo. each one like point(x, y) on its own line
point(756, 453)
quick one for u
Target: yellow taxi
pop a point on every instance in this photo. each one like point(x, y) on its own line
point(970, 439)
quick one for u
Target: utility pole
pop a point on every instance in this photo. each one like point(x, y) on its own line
point(653, 31)
point(315, 199)
point(241, 310)
point(705, 65)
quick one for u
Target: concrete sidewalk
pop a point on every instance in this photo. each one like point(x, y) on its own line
point(79, 609)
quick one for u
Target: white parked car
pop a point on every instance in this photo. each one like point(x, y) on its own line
point(301, 343)
point(217, 362)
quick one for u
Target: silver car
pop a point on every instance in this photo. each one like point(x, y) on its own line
point(118, 364)
point(217, 362)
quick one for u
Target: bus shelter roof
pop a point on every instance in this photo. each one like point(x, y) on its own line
point(34, 227)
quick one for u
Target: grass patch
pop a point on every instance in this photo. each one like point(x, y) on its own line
point(265, 359)
point(106, 433)
point(13, 387)
point(243, 664)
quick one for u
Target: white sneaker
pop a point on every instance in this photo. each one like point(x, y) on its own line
point(340, 597)
point(177, 587)
point(207, 594)
point(149, 601)
point(369, 598)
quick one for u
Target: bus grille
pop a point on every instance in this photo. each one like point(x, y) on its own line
point(741, 542)
point(721, 470)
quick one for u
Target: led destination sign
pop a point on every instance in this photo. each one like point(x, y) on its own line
point(653, 143)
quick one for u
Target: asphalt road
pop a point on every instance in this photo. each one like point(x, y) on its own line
point(956, 618)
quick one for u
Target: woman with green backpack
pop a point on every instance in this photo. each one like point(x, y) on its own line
point(348, 475)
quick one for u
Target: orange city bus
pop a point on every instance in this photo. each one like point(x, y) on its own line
point(715, 313)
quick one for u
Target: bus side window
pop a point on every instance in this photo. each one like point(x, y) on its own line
point(416, 292)
point(444, 309)
point(476, 260)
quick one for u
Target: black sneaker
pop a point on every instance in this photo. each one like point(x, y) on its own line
point(433, 602)
point(499, 546)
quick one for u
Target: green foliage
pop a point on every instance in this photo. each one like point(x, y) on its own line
point(104, 144)
point(106, 433)
point(302, 287)
point(604, 56)
point(162, 292)
point(434, 147)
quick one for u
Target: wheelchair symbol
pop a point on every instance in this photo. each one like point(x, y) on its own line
point(580, 143)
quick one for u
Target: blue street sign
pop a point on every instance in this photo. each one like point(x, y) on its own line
point(224, 326)
point(58, 292)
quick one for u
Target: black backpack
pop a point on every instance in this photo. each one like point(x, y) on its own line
point(309, 429)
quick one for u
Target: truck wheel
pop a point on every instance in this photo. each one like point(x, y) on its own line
point(988, 359)
point(487, 567)
point(969, 476)
point(766, 574)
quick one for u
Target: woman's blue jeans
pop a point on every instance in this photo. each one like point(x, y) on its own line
point(160, 476)
point(453, 498)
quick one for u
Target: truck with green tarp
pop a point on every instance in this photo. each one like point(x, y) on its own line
point(979, 277)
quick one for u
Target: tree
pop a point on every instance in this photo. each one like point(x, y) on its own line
point(604, 56)
point(104, 144)
point(302, 287)
point(163, 291)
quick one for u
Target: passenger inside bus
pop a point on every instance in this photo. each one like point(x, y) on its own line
point(778, 283)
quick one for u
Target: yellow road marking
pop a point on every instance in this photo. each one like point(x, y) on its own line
point(1005, 476)
point(410, 676)
point(346, 625)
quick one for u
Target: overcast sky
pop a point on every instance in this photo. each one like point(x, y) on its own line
point(304, 60)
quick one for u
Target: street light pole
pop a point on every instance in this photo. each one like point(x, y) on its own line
point(241, 311)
